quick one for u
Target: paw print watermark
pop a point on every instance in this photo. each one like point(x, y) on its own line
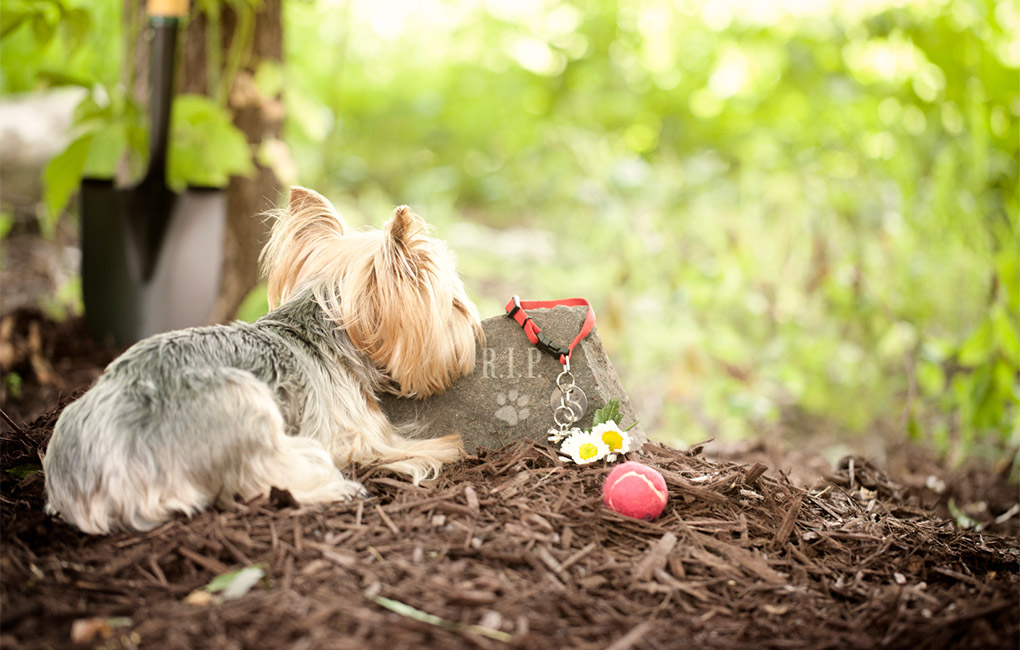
point(513, 407)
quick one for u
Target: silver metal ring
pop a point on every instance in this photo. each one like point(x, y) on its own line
point(572, 395)
point(568, 386)
point(565, 394)
point(570, 414)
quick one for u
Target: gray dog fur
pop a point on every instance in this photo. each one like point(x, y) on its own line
point(165, 403)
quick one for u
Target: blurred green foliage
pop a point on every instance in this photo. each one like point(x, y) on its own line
point(789, 215)
point(75, 42)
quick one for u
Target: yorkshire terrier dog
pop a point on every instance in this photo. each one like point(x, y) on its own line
point(190, 418)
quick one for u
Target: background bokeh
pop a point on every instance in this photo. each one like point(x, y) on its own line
point(793, 217)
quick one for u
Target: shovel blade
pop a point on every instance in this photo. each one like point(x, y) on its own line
point(121, 305)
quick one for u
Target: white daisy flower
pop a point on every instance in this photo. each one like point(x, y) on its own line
point(615, 438)
point(583, 447)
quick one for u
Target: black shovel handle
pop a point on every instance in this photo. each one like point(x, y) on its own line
point(151, 201)
point(164, 17)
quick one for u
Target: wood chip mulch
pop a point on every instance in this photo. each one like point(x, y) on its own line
point(514, 549)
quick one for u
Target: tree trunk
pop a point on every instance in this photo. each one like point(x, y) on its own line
point(259, 117)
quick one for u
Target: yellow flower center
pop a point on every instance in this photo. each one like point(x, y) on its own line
point(613, 439)
point(587, 450)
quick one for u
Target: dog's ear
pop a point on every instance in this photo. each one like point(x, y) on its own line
point(300, 242)
point(405, 226)
point(405, 233)
point(404, 314)
point(310, 206)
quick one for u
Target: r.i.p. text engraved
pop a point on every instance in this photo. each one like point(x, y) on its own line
point(510, 363)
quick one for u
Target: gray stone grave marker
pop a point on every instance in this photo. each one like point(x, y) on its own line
point(509, 395)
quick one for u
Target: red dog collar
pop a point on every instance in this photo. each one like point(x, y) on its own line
point(515, 310)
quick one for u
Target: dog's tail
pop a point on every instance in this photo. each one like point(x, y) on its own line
point(422, 459)
point(401, 449)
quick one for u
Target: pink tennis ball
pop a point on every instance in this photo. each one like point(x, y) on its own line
point(635, 490)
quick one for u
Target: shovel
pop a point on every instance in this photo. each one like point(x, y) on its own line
point(151, 258)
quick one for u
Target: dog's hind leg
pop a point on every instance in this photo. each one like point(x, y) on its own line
point(304, 468)
point(131, 454)
point(270, 458)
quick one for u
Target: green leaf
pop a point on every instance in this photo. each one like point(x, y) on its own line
point(206, 148)
point(269, 78)
point(963, 520)
point(1006, 383)
point(21, 471)
point(43, 29)
point(13, 381)
point(58, 77)
point(913, 427)
point(424, 617)
point(76, 25)
point(11, 19)
point(976, 349)
point(236, 583)
point(931, 378)
point(611, 411)
point(6, 223)
point(1007, 267)
point(984, 408)
point(1006, 334)
point(67, 301)
point(63, 175)
point(89, 110)
point(898, 338)
point(109, 144)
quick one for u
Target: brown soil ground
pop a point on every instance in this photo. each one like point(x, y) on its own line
point(509, 548)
